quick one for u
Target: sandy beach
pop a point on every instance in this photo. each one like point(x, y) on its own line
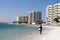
point(51, 33)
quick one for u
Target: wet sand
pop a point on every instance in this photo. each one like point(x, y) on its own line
point(37, 36)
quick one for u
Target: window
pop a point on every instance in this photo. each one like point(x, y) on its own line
point(58, 14)
point(58, 6)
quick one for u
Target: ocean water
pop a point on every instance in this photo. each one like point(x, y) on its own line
point(15, 32)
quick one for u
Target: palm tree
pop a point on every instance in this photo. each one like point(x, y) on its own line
point(56, 19)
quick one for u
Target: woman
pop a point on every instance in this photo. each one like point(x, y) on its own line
point(40, 29)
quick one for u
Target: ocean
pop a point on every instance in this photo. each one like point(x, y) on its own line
point(15, 32)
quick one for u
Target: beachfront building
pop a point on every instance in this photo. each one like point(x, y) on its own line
point(56, 11)
point(49, 14)
point(22, 19)
point(34, 17)
point(19, 19)
point(52, 11)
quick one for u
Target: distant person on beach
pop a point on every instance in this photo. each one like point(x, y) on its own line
point(40, 29)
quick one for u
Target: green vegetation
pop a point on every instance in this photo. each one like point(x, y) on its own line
point(56, 19)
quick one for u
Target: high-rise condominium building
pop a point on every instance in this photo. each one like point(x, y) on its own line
point(19, 19)
point(34, 17)
point(52, 11)
point(22, 19)
point(49, 14)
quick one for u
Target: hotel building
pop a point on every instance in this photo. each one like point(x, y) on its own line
point(52, 11)
point(34, 17)
point(19, 19)
point(22, 19)
point(49, 14)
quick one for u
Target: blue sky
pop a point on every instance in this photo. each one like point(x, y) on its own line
point(9, 9)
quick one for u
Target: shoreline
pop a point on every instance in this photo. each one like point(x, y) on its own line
point(51, 33)
point(29, 25)
point(48, 31)
point(36, 35)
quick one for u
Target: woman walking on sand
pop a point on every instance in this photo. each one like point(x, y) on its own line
point(40, 29)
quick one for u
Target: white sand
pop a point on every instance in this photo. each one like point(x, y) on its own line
point(52, 33)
